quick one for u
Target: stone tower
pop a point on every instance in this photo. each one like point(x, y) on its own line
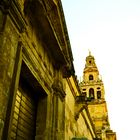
point(93, 88)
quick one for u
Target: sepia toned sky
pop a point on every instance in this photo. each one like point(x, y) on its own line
point(110, 29)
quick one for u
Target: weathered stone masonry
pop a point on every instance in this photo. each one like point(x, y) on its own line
point(34, 49)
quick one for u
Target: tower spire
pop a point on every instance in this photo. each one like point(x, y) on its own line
point(89, 52)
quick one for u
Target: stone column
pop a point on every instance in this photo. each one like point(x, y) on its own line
point(58, 110)
point(8, 51)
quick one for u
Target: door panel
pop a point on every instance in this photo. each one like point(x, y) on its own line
point(24, 115)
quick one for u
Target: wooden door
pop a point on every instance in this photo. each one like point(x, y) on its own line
point(24, 115)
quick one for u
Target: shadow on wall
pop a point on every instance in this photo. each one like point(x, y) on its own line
point(82, 138)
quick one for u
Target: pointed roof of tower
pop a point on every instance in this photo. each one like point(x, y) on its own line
point(89, 52)
point(90, 56)
point(90, 61)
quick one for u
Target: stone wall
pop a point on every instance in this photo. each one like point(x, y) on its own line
point(82, 126)
point(8, 49)
point(29, 48)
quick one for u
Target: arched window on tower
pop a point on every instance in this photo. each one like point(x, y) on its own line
point(91, 77)
point(99, 94)
point(89, 61)
point(91, 93)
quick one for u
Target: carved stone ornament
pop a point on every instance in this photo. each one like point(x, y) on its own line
point(58, 88)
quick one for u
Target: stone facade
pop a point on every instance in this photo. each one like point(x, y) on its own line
point(78, 122)
point(38, 88)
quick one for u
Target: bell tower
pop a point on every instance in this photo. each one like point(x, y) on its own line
point(93, 88)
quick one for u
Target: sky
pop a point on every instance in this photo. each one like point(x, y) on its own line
point(110, 29)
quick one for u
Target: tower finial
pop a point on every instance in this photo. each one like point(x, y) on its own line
point(89, 52)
